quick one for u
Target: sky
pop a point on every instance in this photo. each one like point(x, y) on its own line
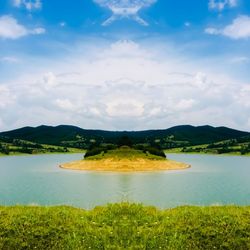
point(125, 64)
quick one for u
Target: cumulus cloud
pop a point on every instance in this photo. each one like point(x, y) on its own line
point(11, 29)
point(124, 86)
point(64, 104)
point(9, 59)
point(30, 5)
point(238, 29)
point(220, 5)
point(125, 9)
point(6, 97)
point(125, 108)
point(240, 60)
point(243, 96)
point(49, 80)
point(185, 104)
point(37, 31)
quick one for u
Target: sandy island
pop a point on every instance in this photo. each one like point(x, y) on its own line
point(112, 165)
point(125, 159)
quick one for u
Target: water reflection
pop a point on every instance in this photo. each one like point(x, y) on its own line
point(39, 180)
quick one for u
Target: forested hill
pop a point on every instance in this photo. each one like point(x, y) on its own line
point(65, 135)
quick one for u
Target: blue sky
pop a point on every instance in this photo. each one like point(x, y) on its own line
point(125, 64)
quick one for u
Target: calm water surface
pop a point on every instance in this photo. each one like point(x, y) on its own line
point(39, 180)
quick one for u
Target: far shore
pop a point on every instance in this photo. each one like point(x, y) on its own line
point(173, 151)
point(46, 153)
point(166, 151)
point(137, 165)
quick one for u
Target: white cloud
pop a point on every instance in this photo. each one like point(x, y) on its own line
point(9, 59)
point(124, 49)
point(240, 60)
point(212, 31)
point(201, 80)
point(11, 29)
point(238, 29)
point(37, 31)
point(64, 104)
point(125, 85)
point(49, 80)
point(28, 4)
point(243, 96)
point(6, 97)
point(222, 4)
point(62, 24)
point(125, 108)
point(185, 104)
point(125, 9)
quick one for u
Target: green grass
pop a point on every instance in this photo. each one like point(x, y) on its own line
point(124, 153)
point(45, 150)
point(125, 226)
point(21, 147)
point(178, 151)
point(42, 153)
point(203, 151)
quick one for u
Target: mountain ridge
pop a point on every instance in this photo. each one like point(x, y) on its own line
point(69, 134)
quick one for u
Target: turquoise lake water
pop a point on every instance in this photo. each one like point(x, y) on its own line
point(38, 180)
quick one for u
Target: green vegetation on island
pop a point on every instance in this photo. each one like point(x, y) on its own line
point(124, 149)
point(125, 226)
point(124, 152)
point(124, 157)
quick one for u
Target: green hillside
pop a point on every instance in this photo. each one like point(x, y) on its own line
point(9, 146)
point(70, 136)
point(240, 146)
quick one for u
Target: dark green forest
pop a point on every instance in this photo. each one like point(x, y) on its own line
point(187, 139)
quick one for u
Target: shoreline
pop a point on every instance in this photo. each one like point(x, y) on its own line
point(47, 153)
point(166, 152)
point(125, 166)
point(201, 153)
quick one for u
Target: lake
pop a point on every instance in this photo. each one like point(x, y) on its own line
point(38, 180)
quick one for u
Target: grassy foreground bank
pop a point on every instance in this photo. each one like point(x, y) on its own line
point(125, 226)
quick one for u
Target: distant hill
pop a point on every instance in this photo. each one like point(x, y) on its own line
point(72, 136)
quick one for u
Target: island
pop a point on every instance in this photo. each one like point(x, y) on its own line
point(125, 159)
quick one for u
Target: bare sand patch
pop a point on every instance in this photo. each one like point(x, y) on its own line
point(125, 165)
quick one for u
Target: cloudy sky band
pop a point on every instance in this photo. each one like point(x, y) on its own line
point(142, 70)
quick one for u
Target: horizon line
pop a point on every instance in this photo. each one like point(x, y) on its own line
point(124, 131)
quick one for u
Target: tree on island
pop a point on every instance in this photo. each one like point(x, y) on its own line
point(125, 141)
